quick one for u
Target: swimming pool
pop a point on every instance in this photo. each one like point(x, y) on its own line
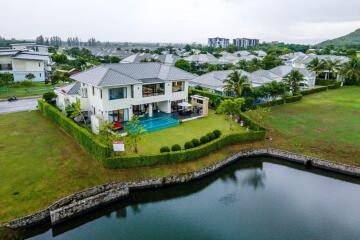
point(154, 124)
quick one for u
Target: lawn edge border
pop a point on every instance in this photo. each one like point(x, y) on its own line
point(94, 197)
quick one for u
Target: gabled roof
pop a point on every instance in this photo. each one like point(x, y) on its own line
point(130, 73)
point(202, 58)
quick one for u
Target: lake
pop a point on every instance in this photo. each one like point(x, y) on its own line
point(258, 198)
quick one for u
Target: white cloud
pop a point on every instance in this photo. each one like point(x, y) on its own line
point(180, 20)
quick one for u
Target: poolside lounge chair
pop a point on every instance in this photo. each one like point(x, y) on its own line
point(117, 126)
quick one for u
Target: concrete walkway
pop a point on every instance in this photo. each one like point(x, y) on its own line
point(18, 106)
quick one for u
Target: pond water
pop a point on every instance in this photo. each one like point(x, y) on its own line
point(252, 199)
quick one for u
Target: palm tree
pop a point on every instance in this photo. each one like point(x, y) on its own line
point(351, 71)
point(236, 83)
point(332, 67)
point(316, 66)
point(293, 80)
point(75, 110)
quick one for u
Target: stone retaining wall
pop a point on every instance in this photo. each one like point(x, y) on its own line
point(91, 198)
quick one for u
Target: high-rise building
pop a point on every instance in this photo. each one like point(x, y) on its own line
point(245, 42)
point(218, 42)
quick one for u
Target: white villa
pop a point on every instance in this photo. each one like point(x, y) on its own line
point(214, 81)
point(115, 92)
point(23, 59)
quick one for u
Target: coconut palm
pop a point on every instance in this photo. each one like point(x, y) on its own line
point(293, 80)
point(351, 71)
point(316, 66)
point(236, 83)
point(331, 67)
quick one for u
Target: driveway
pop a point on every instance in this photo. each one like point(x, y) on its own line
point(18, 106)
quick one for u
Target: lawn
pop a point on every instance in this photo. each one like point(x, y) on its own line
point(325, 125)
point(39, 163)
point(152, 142)
point(37, 88)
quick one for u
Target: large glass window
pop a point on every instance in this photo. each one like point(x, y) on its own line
point(120, 115)
point(153, 89)
point(178, 86)
point(117, 93)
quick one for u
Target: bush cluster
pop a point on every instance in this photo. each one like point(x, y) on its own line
point(182, 156)
point(194, 142)
point(314, 90)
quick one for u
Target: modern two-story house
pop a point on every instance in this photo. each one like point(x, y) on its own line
point(115, 92)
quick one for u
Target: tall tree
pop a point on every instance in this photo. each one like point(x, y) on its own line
point(351, 72)
point(236, 83)
point(231, 108)
point(331, 67)
point(293, 80)
point(316, 66)
point(134, 130)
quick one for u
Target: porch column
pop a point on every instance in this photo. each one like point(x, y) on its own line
point(150, 110)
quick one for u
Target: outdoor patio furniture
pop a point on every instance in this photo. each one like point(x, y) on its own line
point(117, 126)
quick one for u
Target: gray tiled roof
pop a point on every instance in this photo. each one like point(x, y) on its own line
point(74, 89)
point(130, 73)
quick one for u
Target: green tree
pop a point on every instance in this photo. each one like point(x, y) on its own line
point(74, 110)
point(59, 58)
point(30, 76)
point(231, 108)
point(331, 67)
point(259, 116)
point(134, 130)
point(183, 64)
point(49, 96)
point(236, 83)
point(270, 61)
point(351, 72)
point(187, 48)
point(6, 79)
point(293, 80)
point(316, 66)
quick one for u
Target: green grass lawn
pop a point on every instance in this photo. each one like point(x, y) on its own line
point(39, 163)
point(325, 124)
point(37, 88)
point(152, 142)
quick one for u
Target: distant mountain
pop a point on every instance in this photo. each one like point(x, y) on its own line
point(349, 39)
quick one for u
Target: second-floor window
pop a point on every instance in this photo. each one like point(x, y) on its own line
point(153, 89)
point(117, 93)
point(178, 86)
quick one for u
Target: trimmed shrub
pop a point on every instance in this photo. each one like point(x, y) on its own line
point(335, 86)
point(188, 145)
point(204, 139)
point(271, 103)
point(294, 98)
point(211, 136)
point(164, 149)
point(217, 133)
point(324, 82)
point(183, 156)
point(314, 90)
point(196, 142)
point(175, 147)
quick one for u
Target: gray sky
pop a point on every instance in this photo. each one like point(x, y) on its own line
point(305, 21)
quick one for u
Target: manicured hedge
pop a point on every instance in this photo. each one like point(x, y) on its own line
point(314, 90)
point(324, 82)
point(335, 86)
point(293, 98)
point(184, 155)
point(271, 103)
point(99, 150)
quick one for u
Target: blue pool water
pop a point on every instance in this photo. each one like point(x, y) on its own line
point(154, 124)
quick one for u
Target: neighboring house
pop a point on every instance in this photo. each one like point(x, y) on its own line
point(115, 92)
point(168, 59)
point(245, 42)
point(202, 58)
point(22, 62)
point(30, 47)
point(214, 81)
point(260, 53)
point(218, 42)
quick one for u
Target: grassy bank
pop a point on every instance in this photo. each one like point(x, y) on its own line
point(37, 88)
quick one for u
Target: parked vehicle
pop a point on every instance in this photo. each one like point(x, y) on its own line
point(13, 98)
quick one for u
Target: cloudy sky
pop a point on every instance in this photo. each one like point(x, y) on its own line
point(305, 21)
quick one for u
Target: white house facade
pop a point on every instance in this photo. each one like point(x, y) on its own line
point(115, 92)
point(22, 62)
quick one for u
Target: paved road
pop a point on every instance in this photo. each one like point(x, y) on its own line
point(18, 106)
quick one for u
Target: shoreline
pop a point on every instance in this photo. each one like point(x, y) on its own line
point(89, 199)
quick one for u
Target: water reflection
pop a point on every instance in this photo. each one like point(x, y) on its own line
point(223, 196)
